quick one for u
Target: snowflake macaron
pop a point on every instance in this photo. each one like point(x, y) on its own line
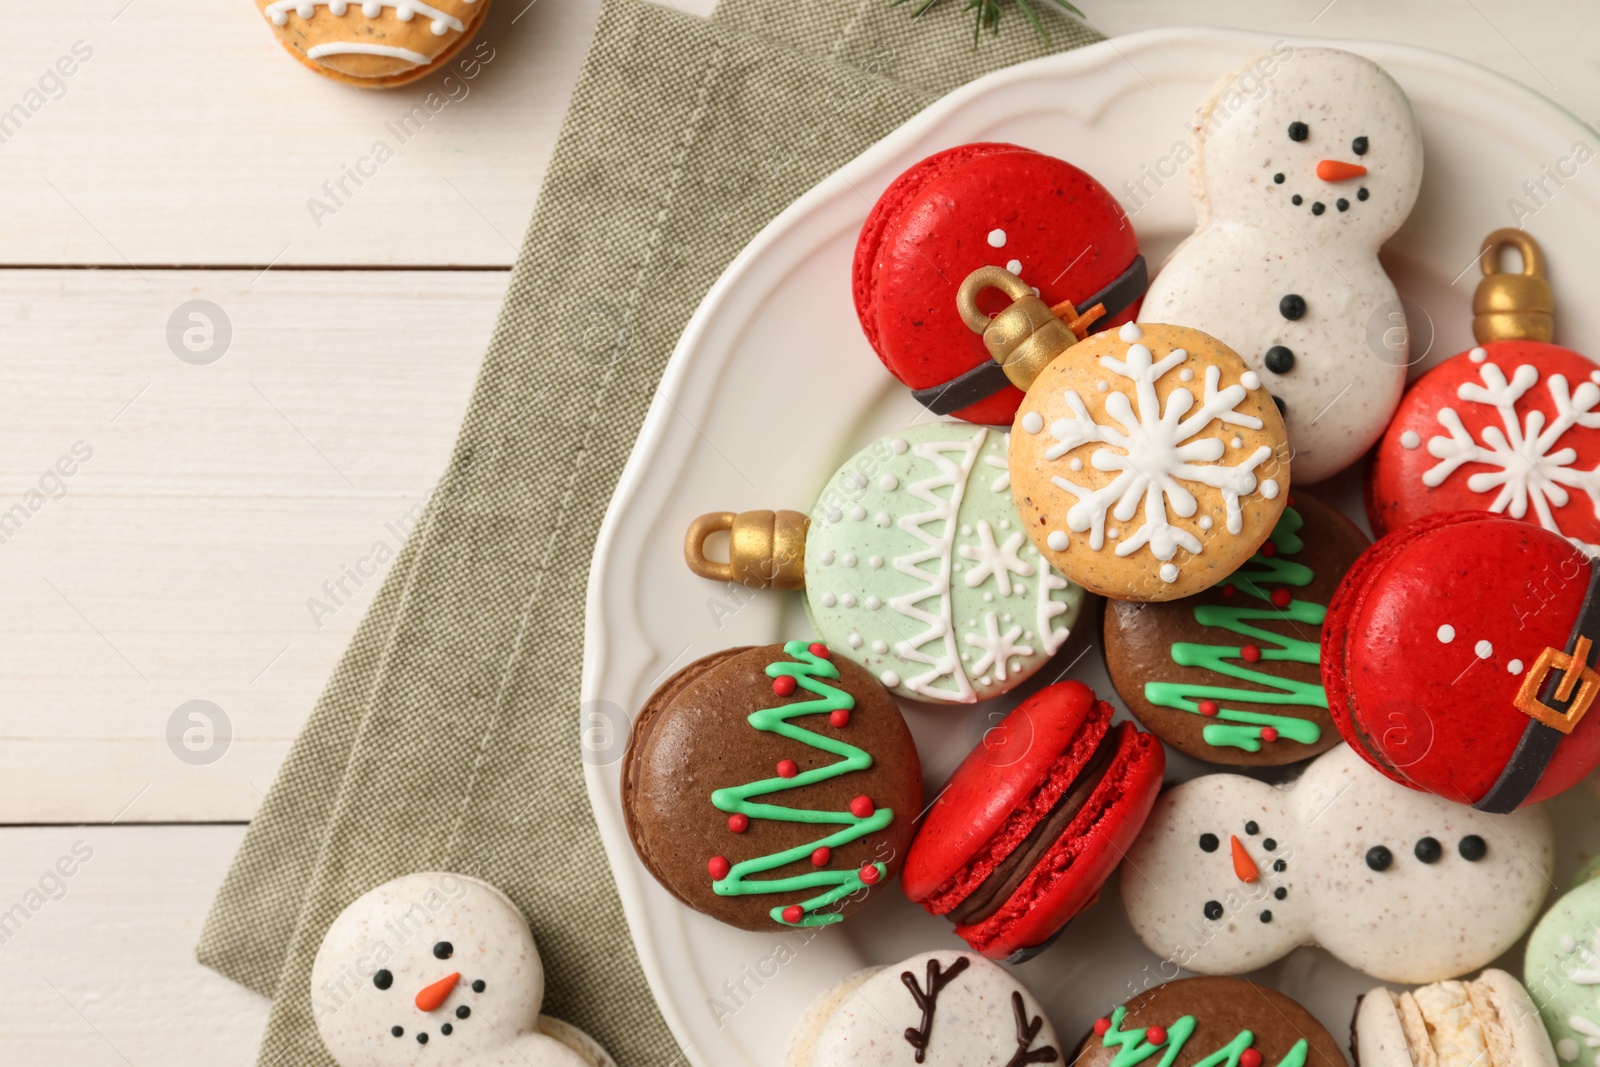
point(1148, 462)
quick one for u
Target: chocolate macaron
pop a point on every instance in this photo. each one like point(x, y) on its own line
point(1233, 675)
point(771, 785)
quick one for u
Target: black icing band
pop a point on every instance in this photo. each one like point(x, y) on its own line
point(1538, 743)
point(988, 377)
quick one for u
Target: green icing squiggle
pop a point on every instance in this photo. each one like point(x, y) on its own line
point(811, 672)
point(1133, 1049)
point(1236, 727)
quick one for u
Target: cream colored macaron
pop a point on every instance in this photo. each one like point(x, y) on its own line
point(1148, 462)
point(373, 44)
point(1489, 1021)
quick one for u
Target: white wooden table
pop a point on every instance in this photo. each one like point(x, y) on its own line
point(205, 464)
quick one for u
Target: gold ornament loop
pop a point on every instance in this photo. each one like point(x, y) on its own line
point(1512, 306)
point(1026, 336)
point(766, 549)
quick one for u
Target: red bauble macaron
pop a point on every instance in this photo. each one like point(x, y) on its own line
point(1511, 427)
point(1034, 821)
point(1432, 641)
point(982, 205)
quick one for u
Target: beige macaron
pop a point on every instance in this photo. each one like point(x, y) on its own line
point(376, 45)
point(1489, 1021)
point(1148, 462)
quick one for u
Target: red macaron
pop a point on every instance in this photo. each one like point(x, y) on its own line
point(982, 205)
point(1034, 821)
point(1456, 655)
point(1510, 427)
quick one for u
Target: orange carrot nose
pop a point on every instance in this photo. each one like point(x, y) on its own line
point(432, 996)
point(1243, 867)
point(1337, 170)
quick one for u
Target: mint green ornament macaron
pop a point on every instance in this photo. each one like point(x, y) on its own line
point(915, 564)
point(1562, 971)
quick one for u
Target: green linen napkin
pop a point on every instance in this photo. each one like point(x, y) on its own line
point(448, 737)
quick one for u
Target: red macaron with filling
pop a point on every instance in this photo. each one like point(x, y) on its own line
point(1034, 821)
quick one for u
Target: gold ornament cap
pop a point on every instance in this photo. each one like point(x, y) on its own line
point(1028, 335)
point(1512, 307)
point(766, 549)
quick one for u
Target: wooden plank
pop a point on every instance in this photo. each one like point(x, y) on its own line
point(166, 528)
point(97, 967)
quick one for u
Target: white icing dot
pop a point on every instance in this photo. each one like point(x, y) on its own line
point(1410, 439)
point(1021, 589)
point(984, 680)
point(1014, 266)
point(1484, 649)
point(873, 603)
point(966, 530)
point(1514, 667)
point(1075, 463)
point(880, 647)
point(854, 640)
point(828, 600)
point(404, 12)
point(882, 519)
point(1005, 616)
point(1205, 522)
point(1567, 1049)
point(1237, 442)
point(372, 9)
point(826, 559)
point(1114, 533)
point(1447, 633)
point(898, 445)
point(848, 600)
point(1033, 422)
point(890, 679)
point(306, 10)
point(1169, 572)
point(849, 559)
point(1269, 489)
point(988, 598)
point(858, 513)
point(1130, 332)
point(1568, 944)
point(1005, 524)
point(1102, 385)
point(874, 562)
point(1478, 355)
point(1057, 540)
point(1186, 375)
point(1251, 379)
point(997, 238)
point(888, 483)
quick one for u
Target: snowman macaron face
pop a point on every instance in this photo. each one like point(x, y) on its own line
point(1231, 874)
point(1326, 140)
point(435, 968)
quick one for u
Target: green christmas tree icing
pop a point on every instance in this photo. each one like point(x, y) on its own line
point(1133, 1048)
point(812, 673)
point(1235, 727)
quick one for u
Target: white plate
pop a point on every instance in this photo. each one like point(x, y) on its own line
point(772, 386)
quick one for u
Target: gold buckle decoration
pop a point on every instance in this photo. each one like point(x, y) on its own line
point(1585, 680)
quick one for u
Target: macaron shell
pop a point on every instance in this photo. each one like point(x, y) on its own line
point(1413, 472)
point(973, 206)
point(1438, 629)
point(1377, 1036)
point(1562, 970)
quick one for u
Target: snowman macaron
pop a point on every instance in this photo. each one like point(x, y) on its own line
point(1231, 874)
point(1298, 177)
point(438, 968)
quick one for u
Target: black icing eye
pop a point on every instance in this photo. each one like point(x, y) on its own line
point(447, 1029)
point(1473, 848)
point(1209, 842)
point(1359, 146)
point(1292, 306)
point(477, 987)
point(1299, 131)
point(1297, 200)
point(1342, 204)
point(1269, 844)
point(1362, 194)
point(1251, 828)
point(1277, 179)
point(463, 1011)
point(398, 1031)
point(422, 1039)
point(1213, 910)
point(383, 979)
point(1280, 866)
point(1266, 916)
point(1379, 858)
point(443, 950)
point(1429, 850)
point(1280, 892)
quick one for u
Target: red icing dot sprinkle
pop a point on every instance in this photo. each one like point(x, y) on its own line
point(719, 867)
point(840, 717)
point(1228, 590)
point(1249, 1058)
point(820, 650)
point(1102, 1027)
point(1156, 1035)
point(1281, 598)
point(1269, 733)
point(1208, 708)
point(1250, 654)
point(738, 823)
point(870, 874)
point(821, 856)
point(788, 768)
point(1269, 550)
point(861, 807)
point(783, 685)
point(793, 914)
point(1289, 501)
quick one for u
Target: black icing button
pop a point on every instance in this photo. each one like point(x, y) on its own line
point(1318, 207)
point(1279, 360)
point(1379, 858)
point(1292, 306)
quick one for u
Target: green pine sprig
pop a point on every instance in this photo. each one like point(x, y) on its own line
point(987, 15)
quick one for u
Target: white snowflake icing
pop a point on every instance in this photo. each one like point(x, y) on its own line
point(1153, 453)
point(1000, 560)
point(997, 647)
point(1530, 469)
